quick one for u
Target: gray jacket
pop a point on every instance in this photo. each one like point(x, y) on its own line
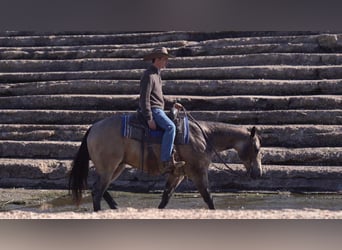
point(151, 93)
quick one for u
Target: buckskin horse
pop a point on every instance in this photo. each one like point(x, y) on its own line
point(110, 151)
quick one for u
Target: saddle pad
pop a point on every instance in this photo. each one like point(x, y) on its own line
point(139, 131)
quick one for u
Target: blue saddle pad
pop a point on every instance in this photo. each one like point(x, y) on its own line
point(135, 129)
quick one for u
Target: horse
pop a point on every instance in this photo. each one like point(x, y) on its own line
point(110, 152)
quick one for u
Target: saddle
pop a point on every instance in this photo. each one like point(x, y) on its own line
point(135, 127)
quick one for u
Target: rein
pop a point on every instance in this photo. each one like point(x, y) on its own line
point(229, 169)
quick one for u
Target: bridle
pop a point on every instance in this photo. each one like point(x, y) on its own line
point(228, 168)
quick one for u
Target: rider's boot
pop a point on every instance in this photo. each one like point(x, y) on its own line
point(171, 166)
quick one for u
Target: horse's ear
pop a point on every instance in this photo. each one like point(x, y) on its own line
point(253, 132)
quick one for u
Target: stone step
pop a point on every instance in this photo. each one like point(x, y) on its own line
point(291, 136)
point(33, 173)
point(174, 87)
point(279, 72)
point(94, 64)
point(279, 156)
point(124, 102)
point(276, 117)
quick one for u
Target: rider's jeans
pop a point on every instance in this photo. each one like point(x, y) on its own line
point(163, 121)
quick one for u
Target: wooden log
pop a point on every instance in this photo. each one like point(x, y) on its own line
point(222, 73)
point(174, 87)
point(54, 116)
point(178, 48)
point(291, 136)
point(71, 87)
point(296, 136)
point(257, 72)
point(247, 49)
point(29, 132)
point(318, 117)
point(321, 117)
point(327, 156)
point(93, 64)
point(286, 83)
point(50, 173)
point(55, 39)
point(279, 177)
point(131, 102)
point(69, 40)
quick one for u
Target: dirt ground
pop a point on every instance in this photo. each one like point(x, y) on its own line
point(134, 213)
point(57, 204)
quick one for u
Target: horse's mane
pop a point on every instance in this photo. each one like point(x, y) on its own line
point(220, 128)
point(214, 131)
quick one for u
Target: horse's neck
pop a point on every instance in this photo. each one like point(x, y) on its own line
point(223, 136)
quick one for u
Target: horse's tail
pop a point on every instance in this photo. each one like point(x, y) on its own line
point(79, 172)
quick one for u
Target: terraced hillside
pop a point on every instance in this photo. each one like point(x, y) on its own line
point(288, 84)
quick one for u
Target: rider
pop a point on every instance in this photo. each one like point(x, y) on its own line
point(151, 104)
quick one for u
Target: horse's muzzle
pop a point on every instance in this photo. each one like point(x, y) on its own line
point(256, 173)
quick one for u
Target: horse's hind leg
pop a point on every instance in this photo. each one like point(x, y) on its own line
point(100, 189)
point(108, 198)
point(171, 185)
point(110, 201)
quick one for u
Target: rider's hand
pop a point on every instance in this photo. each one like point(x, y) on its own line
point(178, 106)
point(152, 124)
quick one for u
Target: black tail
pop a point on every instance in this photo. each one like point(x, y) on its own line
point(79, 172)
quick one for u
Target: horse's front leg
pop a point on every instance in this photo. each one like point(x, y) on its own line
point(172, 182)
point(200, 179)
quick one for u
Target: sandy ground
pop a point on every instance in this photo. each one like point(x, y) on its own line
point(57, 204)
point(133, 213)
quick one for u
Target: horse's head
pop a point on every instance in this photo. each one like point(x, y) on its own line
point(250, 155)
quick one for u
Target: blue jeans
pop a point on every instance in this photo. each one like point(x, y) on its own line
point(163, 121)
